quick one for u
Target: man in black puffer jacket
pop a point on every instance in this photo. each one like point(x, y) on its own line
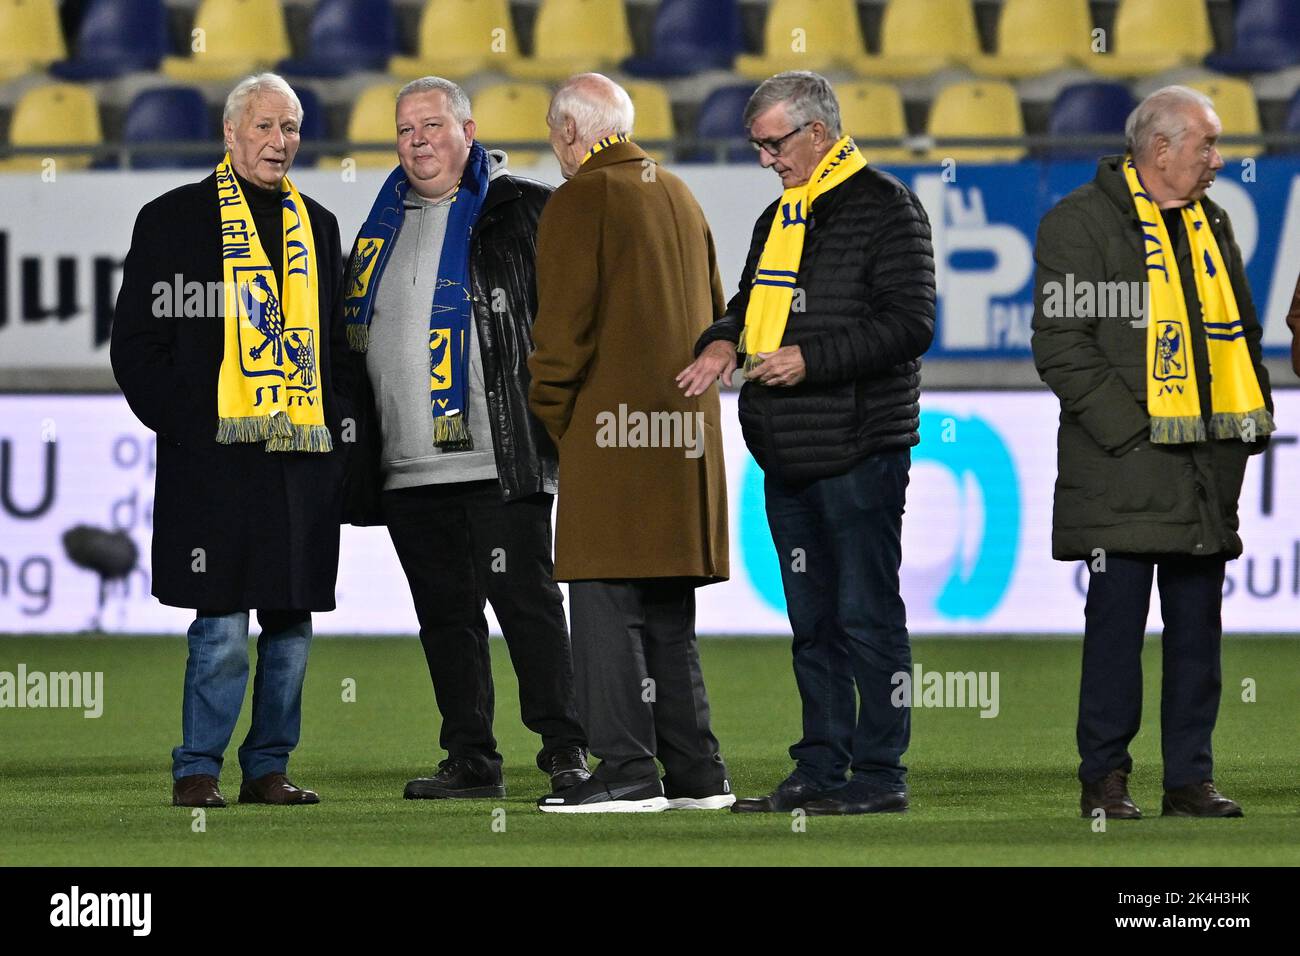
point(836, 308)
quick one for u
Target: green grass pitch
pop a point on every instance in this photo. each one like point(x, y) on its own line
point(78, 792)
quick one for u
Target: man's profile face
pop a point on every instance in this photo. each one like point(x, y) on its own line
point(265, 140)
point(1190, 165)
point(798, 155)
point(432, 146)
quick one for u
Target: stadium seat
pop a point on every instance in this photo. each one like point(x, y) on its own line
point(458, 38)
point(347, 36)
point(1089, 109)
point(30, 36)
point(1292, 123)
point(806, 35)
point(1268, 38)
point(1234, 101)
point(171, 113)
point(918, 37)
point(1038, 36)
point(372, 120)
point(239, 36)
point(870, 110)
point(314, 128)
point(691, 36)
point(978, 108)
point(1152, 36)
point(509, 112)
point(116, 37)
point(722, 116)
point(575, 36)
point(57, 114)
point(654, 114)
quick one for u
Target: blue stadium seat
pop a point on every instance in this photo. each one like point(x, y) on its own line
point(347, 36)
point(1268, 38)
point(691, 36)
point(1089, 109)
point(722, 117)
point(116, 37)
point(314, 128)
point(1292, 124)
point(170, 113)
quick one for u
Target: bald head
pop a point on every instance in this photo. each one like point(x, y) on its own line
point(585, 109)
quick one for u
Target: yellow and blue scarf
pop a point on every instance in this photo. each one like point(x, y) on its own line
point(605, 143)
point(450, 313)
point(773, 287)
point(269, 386)
point(1173, 400)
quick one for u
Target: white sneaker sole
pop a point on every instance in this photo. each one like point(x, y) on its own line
point(718, 802)
point(651, 805)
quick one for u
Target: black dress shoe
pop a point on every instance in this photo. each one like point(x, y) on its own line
point(853, 800)
point(789, 795)
point(276, 789)
point(1109, 794)
point(197, 790)
point(1199, 800)
point(457, 778)
point(567, 768)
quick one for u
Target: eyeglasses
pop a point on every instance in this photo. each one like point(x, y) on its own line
point(773, 146)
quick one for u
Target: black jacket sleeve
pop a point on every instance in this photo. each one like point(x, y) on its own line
point(728, 327)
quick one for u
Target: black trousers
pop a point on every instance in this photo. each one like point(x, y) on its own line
point(461, 545)
point(640, 689)
point(1110, 695)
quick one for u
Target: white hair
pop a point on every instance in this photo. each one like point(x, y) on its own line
point(1163, 113)
point(598, 106)
point(250, 86)
point(457, 100)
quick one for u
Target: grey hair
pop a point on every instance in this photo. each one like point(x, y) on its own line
point(1163, 113)
point(808, 97)
point(250, 86)
point(598, 106)
point(457, 99)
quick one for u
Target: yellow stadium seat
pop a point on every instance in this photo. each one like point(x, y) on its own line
point(575, 36)
point(806, 35)
point(58, 114)
point(918, 37)
point(1234, 101)
point(1152, 36)
point(654, 114)
point(373, 120)
point(978, 108)
point(459, 38)
point(239, 36)
point(30, 36)
point(513, 112)
point(1038, 36)
point(874, 111)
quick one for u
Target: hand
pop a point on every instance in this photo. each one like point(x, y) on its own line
point(718, 360)
point(782, 367)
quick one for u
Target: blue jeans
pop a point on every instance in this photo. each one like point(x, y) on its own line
point(216, 677)
point(839, 542)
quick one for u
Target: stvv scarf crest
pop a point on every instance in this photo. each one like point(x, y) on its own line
point(450, 313)
point(773, 288)
point(1173, 400)
point(269, 385)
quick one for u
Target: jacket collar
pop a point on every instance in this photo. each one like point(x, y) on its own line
point(618, 153)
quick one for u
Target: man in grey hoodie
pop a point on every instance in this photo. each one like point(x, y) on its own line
point(470, 519)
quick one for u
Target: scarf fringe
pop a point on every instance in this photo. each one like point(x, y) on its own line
point(451, 433)
point(1175, 430)
point(250, 428)
point(1232, 424)
point(359, 337)
point(315, 438)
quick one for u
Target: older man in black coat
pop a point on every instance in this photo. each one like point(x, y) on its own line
point(237, 526)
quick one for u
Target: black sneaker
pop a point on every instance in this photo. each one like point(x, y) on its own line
point(595, 796)
point(457, 777)
point(715, 797)
point(566, 768)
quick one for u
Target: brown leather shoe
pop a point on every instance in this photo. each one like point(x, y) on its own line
point(1199, 800)
point(1110, 793)
point(277, 789)
point(197, 790)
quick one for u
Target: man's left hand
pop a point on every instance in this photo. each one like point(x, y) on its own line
point(784, 367)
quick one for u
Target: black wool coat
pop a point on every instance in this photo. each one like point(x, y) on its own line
point(234, 527)
point(867, 275)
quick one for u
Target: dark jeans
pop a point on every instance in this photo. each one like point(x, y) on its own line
point(461, 545)
point(839, 541)
point(640, 689)
point(1110, 692)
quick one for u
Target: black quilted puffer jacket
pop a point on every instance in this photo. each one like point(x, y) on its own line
point(867, 274)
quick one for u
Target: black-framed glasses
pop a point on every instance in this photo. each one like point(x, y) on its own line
point(774, 146)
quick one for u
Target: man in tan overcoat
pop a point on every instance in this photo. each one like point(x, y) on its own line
point(627, 281)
